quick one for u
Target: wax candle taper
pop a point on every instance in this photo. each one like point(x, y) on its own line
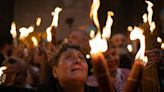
point(102, 73)
point(134, 77)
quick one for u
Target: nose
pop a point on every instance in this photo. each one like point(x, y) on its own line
point(77, 61)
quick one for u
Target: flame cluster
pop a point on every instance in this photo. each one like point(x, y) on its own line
point(25, 32)
point(98, 42)
point(137, 33)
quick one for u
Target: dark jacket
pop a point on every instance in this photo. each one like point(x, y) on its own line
point(2, 58)
point(14, 89)
point(52, 87)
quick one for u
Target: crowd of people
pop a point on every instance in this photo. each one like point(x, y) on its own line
point(65, 68)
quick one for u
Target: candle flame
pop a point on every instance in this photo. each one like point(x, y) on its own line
point(24, 32)
point(2, 69)
point(137, 33)
point(93, 13)
point(150, 14)
point(159, 40)
point(98, 44)
point(49, 34)
point(107, 29)
point(92, 33)
point(55, 15)
point(13, 30)
point(130, 28)
point(162, 46)
point(34, 40)
point(38, 21)
point(144, 17)
point(130, 49)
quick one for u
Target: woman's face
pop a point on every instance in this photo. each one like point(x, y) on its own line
point(72, 66)
point(119, 40)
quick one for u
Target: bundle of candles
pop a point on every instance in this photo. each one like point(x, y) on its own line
point(102, 73)
point(28, 34)
point(150, 81)
point(149, 74)
point(135, 75)
point(54, 24)
point(98, 45)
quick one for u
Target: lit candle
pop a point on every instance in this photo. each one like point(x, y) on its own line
point(149, 27)
point(98, 45)
point(38, 21)
point(135, 75)
point(53, 31)
point(14, 33)
point(102, 73)
point(150, 80)
point(34, 40)
point(54, 24)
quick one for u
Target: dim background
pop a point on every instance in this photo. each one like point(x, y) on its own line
point(75, 14)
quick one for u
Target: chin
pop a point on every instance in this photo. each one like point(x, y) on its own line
point(79, 78)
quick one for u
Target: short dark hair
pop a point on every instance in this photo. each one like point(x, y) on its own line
point(54, 61)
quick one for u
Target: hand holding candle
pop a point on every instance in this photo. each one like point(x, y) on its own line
point(102, 73)
point(139, 63)
point(134, 77)
point(98, 45)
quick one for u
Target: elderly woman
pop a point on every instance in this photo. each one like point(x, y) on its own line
point(70, 71)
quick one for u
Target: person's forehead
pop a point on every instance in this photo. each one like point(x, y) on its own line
point(71, 50)
point(118, 36)
point(78, 34)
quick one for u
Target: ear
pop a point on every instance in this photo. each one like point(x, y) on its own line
point(54, 71)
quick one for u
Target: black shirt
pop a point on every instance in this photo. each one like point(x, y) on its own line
point(51, 87)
